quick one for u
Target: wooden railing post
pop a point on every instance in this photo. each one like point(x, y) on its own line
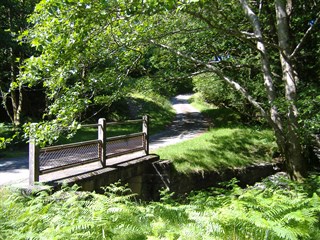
point(102, 138)
point(145, 130)
point(34, 167)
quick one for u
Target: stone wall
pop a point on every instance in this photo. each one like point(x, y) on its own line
point(165, 176)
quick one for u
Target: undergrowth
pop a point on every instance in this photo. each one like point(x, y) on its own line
point(266, 211)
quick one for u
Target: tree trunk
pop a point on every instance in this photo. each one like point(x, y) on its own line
point(286, 129)
point(15, 94)
point(16, 101)
point(293, 149)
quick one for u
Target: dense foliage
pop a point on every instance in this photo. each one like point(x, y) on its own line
point(265, 211)
point(15, 99)
point(215, 91)
point(88, 53)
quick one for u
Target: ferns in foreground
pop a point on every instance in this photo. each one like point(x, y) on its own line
point(288, 212)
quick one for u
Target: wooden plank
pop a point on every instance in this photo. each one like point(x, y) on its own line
point(102, 138)
point(33, 162)
point(124, 122)
point(145, 130)
point(90, 125)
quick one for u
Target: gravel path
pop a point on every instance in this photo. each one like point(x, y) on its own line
point(188, 124)
point(14, 171)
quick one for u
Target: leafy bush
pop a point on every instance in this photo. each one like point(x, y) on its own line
point(217, 92)
point(309, 103)
point(214, 90)
point(11, 140)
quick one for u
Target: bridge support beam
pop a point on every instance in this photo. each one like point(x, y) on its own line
point(135, 173)
point(34, 168)
point(145, 130)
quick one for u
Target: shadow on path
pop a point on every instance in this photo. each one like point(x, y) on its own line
point(12, 164)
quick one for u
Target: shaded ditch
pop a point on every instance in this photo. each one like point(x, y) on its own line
point(163, 175)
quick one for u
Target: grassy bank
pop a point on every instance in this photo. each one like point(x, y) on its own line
point(227, 144)
point(221, 148)
point(157, 107)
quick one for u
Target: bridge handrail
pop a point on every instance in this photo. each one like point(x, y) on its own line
point(91, 125)
point(68, 145)
point(51, 159)
point(125, 122)
point(138, 146)
point(102, 142)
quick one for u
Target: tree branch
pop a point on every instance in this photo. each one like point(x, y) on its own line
point(246, 36)
point(180, 31)
point(302, 40)
point(212, 68)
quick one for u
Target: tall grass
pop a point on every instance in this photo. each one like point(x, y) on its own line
point(265, 212)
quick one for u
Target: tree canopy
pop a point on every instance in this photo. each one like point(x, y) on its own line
point(88, 52)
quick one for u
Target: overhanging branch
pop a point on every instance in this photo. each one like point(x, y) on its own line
point(212, 68)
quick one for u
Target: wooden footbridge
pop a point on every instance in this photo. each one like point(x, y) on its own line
point(95, 163)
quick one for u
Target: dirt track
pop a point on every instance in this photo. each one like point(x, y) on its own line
point(188, 124)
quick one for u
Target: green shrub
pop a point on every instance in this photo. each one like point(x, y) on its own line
point(218, 92)
point(214, 90)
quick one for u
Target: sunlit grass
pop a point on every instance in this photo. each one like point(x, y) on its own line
point(199, 104)
point(221, 148)
point(228, 144)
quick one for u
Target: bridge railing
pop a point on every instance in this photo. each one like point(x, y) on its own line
point(59, 157)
